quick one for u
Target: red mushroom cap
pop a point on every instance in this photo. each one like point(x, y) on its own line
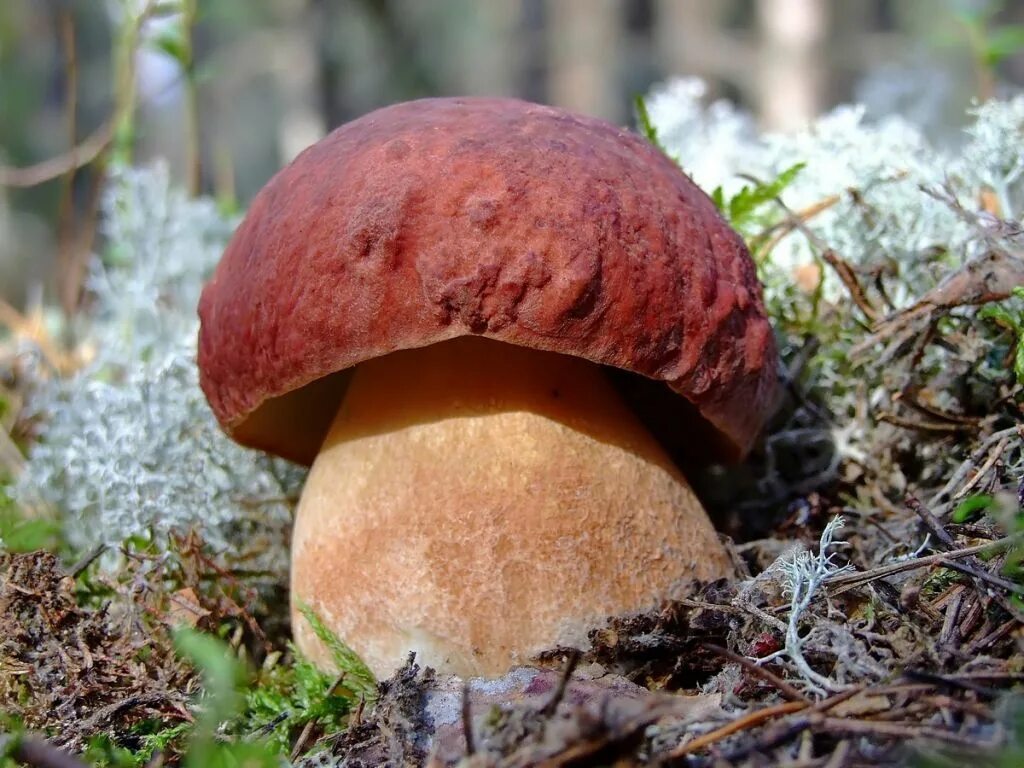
point(439, 218)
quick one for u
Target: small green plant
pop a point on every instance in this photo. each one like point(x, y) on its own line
point(162, 739)
point(358, 677)
point(647, 128)
point(971, 507)
point(1013, 567)
point(1010, 317)
point(1005, 510)
point(19, 533)
point(102, 752)
point(990, 43)
point(175, 40)
point(938, 581)
point(11, 730)
point(747, 210)
point(223, 676)
point(279, 705)
point(286, 698)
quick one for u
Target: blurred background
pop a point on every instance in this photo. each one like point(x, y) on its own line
point(227, 91)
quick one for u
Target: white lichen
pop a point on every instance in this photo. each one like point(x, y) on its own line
point(143, 455)
point(161, 248)
point(712, 142)
point(802, 575)
point(876, 167)
point(993, 158)
point(903, 213)
point(128, 445)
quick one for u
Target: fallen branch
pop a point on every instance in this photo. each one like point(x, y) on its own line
point(844, 582)
point(31, 328)
point(982, 575)
point(74, 159)
point(959, 476)
point(775, 234)
point(923, 426)
point(749, 720)
point(563, 684)
point(987, 278)
point(899, 730)
point(96, 143)
point(752, 667)
point(848, 277)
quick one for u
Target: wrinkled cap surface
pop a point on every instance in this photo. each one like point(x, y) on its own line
point(434, 219)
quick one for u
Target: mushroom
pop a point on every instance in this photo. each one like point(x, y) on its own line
point(494, 329)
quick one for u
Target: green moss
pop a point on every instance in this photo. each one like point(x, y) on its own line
point(358, 677)
point(20, 533)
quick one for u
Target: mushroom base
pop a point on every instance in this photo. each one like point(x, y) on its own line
point(477, 503)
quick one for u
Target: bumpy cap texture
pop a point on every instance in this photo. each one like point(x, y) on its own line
point(438, 218)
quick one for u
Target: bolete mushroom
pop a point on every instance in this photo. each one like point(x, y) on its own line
point(492, 327)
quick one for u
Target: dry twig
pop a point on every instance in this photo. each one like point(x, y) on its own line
point(753, 668)
point(987, 278)
point(950, 489)
point(300, 742)
point(749, 720)
point(844, 582)
point(76, 158)
point(563, 683)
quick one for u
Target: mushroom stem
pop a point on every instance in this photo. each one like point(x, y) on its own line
point(478, 502)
